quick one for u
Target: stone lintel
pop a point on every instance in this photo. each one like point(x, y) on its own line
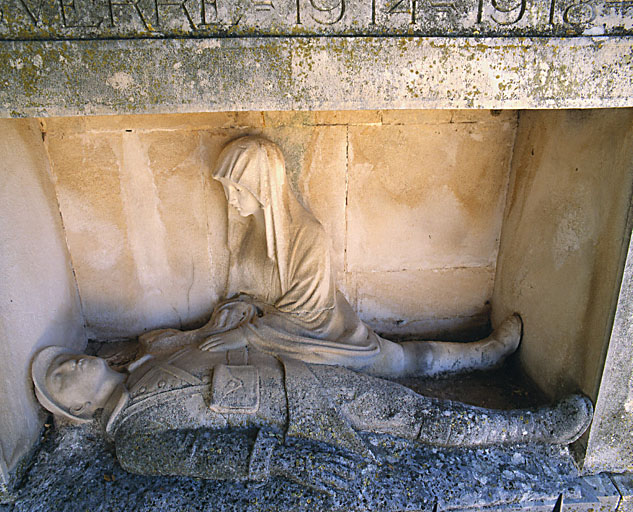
point(63, 78)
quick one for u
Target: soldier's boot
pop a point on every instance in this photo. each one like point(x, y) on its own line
point(455, 424)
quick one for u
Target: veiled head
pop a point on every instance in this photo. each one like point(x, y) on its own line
point(252, 165)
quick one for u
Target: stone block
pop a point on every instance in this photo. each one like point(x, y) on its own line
point(134, 209)
point(428, 303)
point(426, 196)
point(226, 74)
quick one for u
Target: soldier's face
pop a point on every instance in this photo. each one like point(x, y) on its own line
point(80, 382)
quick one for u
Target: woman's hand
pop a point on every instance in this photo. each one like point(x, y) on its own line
point(228, 316)
point(164, 341)
point(229, 340)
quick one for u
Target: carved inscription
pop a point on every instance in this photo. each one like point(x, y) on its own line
point(76, 19)
point(623, 8)
point(505, 12)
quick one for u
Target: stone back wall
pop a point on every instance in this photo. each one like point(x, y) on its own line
point(413, 202)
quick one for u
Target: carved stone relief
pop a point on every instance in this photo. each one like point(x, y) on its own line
point(284, 378)
point(63, 19)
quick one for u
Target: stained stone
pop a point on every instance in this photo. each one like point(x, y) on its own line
point(43, 78)
point(100, 19)
point(77, 470)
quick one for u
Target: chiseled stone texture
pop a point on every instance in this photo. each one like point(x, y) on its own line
point(610, 444)
point(75, 470)
point(146, 225)
point(340, 73)
point(563, 244)
point(103, 19)
point(39, 305)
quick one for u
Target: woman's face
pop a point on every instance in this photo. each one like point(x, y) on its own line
point(240, 198)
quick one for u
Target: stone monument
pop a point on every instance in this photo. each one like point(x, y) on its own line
point(284, 379)
point(90, 57)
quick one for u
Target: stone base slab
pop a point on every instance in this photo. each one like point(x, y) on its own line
point(76, 470)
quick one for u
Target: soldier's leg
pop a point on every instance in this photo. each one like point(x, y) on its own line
point(381, 406)
point(455, 424)
point(430, 358)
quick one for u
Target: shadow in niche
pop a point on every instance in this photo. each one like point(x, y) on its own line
point(507, 387)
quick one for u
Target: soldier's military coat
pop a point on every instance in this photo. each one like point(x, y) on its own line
point(221, 415)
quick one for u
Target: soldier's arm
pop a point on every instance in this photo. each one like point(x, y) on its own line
point(236, 454)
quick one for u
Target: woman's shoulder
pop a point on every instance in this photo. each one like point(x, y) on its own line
point(312, 230)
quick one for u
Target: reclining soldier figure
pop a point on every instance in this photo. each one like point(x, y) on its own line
point(244, 414)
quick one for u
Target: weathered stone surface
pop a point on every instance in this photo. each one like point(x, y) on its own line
point(145, 76)
point(75, 470)
point(427, 196)
point(429, 304)
point(610, 445)
point(46, 19)
point(562, 250)
point(145, 224)
point(132, 279)
point(39, 304)
point(134, 206)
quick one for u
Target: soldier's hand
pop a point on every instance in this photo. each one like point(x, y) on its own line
point(229, 340)
point(317, 467)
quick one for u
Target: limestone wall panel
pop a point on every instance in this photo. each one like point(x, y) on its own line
point(430, 304)
point(425, 196)
point(564, 241)
point(39, 304)
point(400, 193)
